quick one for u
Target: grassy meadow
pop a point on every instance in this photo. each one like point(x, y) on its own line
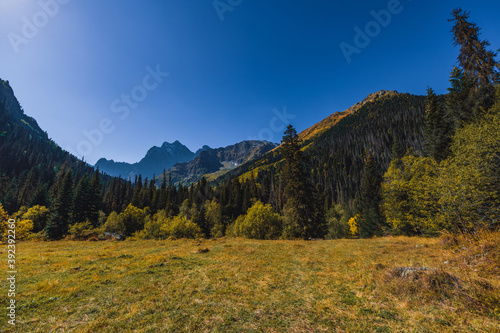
point(240, 285)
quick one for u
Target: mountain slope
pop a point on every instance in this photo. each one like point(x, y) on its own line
point(337, 146)
point(30, 160)
point(334, 118)
point(13, 112)
point(218, 161)
point(156, 160)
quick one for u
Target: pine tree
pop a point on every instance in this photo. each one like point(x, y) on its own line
point(460, 100)
point(40, 197)
point(82, 202)
point(58, 223)
point(95, 197)
point(162, 197)
point(397, 151)
point(437, 132)
point(299, 210)
point(370, 222)
point(478, 62)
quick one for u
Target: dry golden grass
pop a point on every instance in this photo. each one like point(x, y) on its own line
point(241, 285)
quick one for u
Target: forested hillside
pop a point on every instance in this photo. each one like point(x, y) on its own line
point(211, 162)
point(29, 160)
point(336, 154)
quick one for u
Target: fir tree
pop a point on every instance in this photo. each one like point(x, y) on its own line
point(299, 219)
point(478, 62)
point(57, 225)
point(40, 197)
point(460, 100)
point(369, 200)
point(436, 131)
point(95, 197)
point(82, 203)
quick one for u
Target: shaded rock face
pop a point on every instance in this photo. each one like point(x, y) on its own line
point(221, 159)
point(10, 104)
point(184, 165)
point(156, 160)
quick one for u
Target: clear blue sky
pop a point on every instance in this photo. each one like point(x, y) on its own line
point(225, 76)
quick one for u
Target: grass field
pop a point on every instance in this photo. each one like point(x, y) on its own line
point(241, 285)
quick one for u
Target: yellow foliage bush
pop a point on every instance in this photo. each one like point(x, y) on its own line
point(353, 225)
point(260, 222)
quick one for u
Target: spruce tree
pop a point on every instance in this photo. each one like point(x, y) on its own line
point(460, 100)
point(299, 207)
point(95, 197)
point(369, 199)
point(82, 203)
point(40, 197)
point(478, 62)
point(57, 225)
point(437, 133)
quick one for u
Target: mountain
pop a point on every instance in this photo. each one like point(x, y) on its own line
point(337, 146)
point(157, 160)
point(14, 113)
point(216, 162)
point(333, 119)
point(30, 161)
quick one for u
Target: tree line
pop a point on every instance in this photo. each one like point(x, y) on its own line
point(401, 164)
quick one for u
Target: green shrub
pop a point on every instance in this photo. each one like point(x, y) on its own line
point(78, 229)
point(180, 227)
point(114, 225)
point(260, 222)
point(337, 221)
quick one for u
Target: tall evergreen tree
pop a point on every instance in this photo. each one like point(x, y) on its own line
point(82, 203)
point(95, 198)
point(475, 59)
point(369, 199)
point(57, 225)
point(299, 210)
point(461, 99)
point(40, 197)
point(437, 132)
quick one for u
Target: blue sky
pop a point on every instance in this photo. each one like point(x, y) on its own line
point(72, 65)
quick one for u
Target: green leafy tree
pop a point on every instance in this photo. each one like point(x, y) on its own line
point(213, 217)
point(410, 196)
point(115, 225)
point(180, 227)
point(153, 226)
point(260, 222)
point(4, 218)
point(133, 218)
point(337, 219)
point(79, 229)
point(470, 180)
point(39, 215)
